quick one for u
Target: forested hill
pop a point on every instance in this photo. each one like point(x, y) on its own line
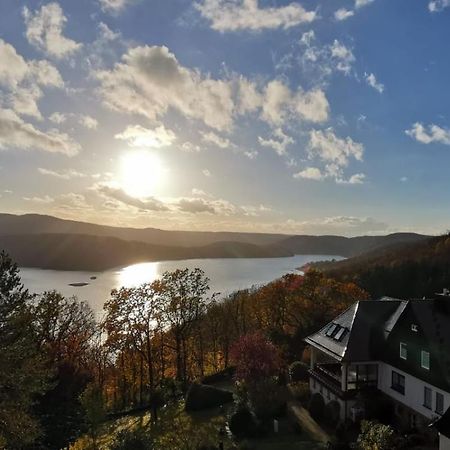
point(96, 253)
point(403, 270)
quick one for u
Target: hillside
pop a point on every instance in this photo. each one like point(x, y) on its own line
point(96, 253)
point(403, 270)
point(40, 224)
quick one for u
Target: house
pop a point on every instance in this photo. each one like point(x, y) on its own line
point(398, 350)
point(442, 424)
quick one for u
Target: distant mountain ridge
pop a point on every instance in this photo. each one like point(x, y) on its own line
point(48, 242)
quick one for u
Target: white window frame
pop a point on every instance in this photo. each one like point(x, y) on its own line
point(422, 359)
point(403, 350)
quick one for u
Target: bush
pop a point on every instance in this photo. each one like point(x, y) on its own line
point(202, 396)
point(218, 377)
point(332, 412)
point(243, 423)
point(267, 399)
point(132, 440)
point(298, 371)
point(316, 406)
point(301, 391)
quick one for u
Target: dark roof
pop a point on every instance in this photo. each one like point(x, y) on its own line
point(374, 328)
point(443, 424)
point(361, 322)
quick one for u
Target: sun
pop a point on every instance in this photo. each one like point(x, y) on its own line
point(141, 173)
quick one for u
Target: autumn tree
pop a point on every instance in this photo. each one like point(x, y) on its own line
point(23, 368)
point(182, 298)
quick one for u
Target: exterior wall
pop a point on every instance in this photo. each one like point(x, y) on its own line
point(414, 391)
point(316, 387)
point(444, 442)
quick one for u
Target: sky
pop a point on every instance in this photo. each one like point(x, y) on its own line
point(317, 117)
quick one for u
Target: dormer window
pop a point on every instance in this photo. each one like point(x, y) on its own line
point(414, 328)
point(403, 351)
point(425, 360)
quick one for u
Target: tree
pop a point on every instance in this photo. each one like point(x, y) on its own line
point(256, 358)
point(376, 436)
point(183, 303)
point(23, 369)
point(94, 406)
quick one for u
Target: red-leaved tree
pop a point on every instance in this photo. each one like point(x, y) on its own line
point(255, 357)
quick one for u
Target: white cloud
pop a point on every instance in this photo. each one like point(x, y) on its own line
point(234, 15)
point(138, 136)
point(343, 14)
point(115, 6)
point(334, 154)
point(280, 102)
point(251, 154)
point(44, 31)
point(404, 179)
point(116, 193)
point(278, 142)
point(189, 147)
point(150, 81)
point(206, 172)
point(58, 118)
point(67, 174)
point(434, 134)
point(342, 56)
point(329, 148)
point(438, 5)
point(361, 3)
point(321, 61)
point(15, 133)
point(22, 80)
point(45, 199)
point(372, 81)
point(215, 139)
point(310, 173)
point(88, 122)
point(338, 225)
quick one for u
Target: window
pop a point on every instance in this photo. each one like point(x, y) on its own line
point(425, 360)
point(340, 334)
point(331, 329)
point(414, 328)
point(398, 383)
point(439, 403)
point(427, 399)
point(403, 351)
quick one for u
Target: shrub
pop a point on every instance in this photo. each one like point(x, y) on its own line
point(132, 440)
point(332, 412)
point(316, 406)
point(376, 436)
point(243, 423)
point(301, 391)
point(218, 377)
point(202, 396)
point(298, 371)
point(267, 399)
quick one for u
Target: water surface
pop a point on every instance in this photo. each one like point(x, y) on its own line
point(226, 275)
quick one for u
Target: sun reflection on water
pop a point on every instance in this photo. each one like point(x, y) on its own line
point(138, 274)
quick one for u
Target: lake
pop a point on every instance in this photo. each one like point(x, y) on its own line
point(226, 275)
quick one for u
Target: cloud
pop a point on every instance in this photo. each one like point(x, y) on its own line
point(88, 122)
point(138, 136)
point(84, 120)
point(206, 172)
point(43, 200)
point(22, 80)
point(15, 133)
point(337, 225)
point(215, 139)
point(438, 5)
point(343, 14)
point(279, 141)
point(321, 61)
point(150, 81)
point(372, 81)
point(195, 205)
point(362, 3)
point(357, 178)
point(44, 31)
point(67, 174)
point(281, 103)
point(434, 134)
point(310, 173)
point(235, 15)
point(342, 56)
point(189, 147)
point(115, 6)
point(116, 193)
point(251, 154)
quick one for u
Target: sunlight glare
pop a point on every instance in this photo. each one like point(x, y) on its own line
point(142, 173)
point(138, 274)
